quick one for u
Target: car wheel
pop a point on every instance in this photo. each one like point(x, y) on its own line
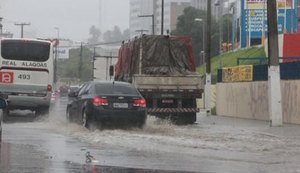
point(88, 122)
point(5, 115)
point(85, 118)
point(68, 115)
point(140, 123)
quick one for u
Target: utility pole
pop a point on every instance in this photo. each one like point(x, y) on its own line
point(80, 62)
point(1, 26)
point(208, 60)
point(162, 16)
point(93, 61)
point(275, 104)
point(22, 27)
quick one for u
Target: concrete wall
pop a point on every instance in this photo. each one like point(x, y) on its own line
point(250, 100)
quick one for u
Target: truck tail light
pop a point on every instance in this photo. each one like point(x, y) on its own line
point(139, 102)
point(49, 88)
point(97, 101)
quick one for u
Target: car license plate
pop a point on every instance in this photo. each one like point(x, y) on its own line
point(120, 105)
point(168, 101)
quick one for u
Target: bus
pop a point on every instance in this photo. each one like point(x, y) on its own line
point(27, 74)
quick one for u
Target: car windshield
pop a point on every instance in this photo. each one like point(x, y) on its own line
point(115, 89)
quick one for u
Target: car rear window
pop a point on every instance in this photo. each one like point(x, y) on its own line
point(115, 89)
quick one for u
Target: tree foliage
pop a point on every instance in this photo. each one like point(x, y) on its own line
point(116, 35)
point(95, 35)
point(70, 68)
point(187, 25)
point(227, 28)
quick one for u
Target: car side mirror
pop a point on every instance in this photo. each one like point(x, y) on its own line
point(3, 103)
point(73, 94)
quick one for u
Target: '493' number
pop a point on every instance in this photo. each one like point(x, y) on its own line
point(24, 76)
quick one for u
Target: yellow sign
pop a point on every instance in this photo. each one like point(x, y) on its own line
point(237, 74)
point(262, 4)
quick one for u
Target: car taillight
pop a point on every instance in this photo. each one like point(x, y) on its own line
point(100, 101)
point(139, 102)
point(49, 88)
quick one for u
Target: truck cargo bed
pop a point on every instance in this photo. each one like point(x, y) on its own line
point(187, 82)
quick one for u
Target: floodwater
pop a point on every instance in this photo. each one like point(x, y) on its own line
point(214, 144)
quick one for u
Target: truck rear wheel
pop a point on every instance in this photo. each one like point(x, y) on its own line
point(184, 118)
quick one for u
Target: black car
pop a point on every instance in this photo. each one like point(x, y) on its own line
point(98, 103)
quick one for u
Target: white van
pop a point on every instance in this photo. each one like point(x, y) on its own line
point(26, 74)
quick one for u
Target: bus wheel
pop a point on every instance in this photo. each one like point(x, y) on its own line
point(5, 115)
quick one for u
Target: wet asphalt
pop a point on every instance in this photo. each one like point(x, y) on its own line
point(214, 144)
point(30, 146)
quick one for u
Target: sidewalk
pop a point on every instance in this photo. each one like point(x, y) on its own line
point(232, 124)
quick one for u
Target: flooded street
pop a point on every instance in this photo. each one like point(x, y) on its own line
point(214, 144)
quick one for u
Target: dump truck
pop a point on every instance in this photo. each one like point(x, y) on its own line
point(163, 69)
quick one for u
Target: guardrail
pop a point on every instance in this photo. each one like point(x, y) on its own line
point(264, 60)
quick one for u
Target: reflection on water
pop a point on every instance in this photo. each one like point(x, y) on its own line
point(90, 168)
point(21, 158)
point(17, 116)
point(25, 158)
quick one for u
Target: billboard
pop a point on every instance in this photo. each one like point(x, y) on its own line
point(63, 52)
point(62, 48)
point(254, 18)
point(243, 73)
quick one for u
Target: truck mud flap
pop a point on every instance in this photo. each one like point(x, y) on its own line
point(172, 110)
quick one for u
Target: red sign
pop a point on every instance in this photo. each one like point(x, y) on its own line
point(6, 77)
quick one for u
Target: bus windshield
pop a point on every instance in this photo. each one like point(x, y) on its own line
point(25, 50)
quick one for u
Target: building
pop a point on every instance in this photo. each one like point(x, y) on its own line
point(253, 20)
point(172, 9)
point(215, 8)
point(139, 25)
point(4, 34)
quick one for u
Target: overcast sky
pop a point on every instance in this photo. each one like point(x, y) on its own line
point(72, 17)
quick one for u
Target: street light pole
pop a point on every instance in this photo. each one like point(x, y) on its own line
point(56, 55)
point(162, 16)
point(203, 36)
point(220, 14)
point(57, 52)
point(152, 16)
point(80, 61)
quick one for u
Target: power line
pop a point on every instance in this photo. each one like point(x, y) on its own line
point(104, 43)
